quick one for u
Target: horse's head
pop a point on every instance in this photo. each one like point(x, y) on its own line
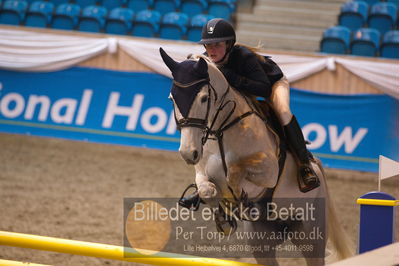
point(193, 98)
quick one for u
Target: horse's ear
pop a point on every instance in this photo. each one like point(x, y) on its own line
point(170, 63)
point(201, 66)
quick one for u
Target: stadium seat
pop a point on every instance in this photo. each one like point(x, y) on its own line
point(382, 17)
point(390, 45)
point(173, 26)
point(139, 5)
point(366, 42)
point(59, 2)
point(66, 17)
point(193, 7)
point(369, 2)
point(335, 40)
point(395, 2)
point(353, 15)
point(166, 6)
point(195, 26)
point(86, 3)
point(146, 23)
point(13, 12)
point(92, 19)
point(111, 4)
point(221, 8)
point(119, 21)
point(39, 14)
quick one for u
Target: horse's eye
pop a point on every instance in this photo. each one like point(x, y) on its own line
point(204, 98)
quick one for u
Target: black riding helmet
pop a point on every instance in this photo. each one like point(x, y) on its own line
point(217, 30)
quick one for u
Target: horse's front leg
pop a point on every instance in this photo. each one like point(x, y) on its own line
point(260, 169)
point(234, 178)
point(206, 189)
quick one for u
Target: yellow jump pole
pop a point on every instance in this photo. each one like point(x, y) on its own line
point(19, 263)
point(107, 251)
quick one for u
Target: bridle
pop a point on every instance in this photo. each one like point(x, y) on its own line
point(190, 121)
point(208, 131)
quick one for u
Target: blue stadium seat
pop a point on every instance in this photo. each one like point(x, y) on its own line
point(369, 2)
point(139, 5)
point(66, 17)
point(86, 3)
point(353, 15)
point(221, 8)
point(382, 17)
point(366, 42)
point(195, 26)
point(390, 45)
point(166, 6)
point(39, 14)
point(335, 40)
point(173, 26)
point(92, 19)
point(59, 2)
point(13, 12)
point(111, 4)
point(395, 2)
point(119, 21)
point(146, 23)
point(193, 7)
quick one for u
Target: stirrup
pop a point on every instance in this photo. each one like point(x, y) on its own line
point(192, 201)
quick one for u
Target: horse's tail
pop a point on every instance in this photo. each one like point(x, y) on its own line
point(336, 233)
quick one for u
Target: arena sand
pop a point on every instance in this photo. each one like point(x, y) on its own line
point(75, 190)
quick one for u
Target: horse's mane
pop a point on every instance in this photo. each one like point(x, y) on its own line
point(207, 59)
point(198, 56)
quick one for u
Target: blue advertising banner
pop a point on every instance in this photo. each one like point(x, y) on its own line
point(90, 104)
point(348, 131)
point(128, 108)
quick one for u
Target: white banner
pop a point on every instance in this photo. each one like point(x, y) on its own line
point(34, 51)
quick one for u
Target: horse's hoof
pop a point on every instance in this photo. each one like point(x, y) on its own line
point(226, 225)
point(207, 190)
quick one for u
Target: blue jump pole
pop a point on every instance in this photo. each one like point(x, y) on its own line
point(377, 220)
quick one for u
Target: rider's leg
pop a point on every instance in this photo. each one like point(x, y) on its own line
point(280, 100)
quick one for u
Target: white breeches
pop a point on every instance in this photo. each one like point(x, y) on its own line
point(280, 100)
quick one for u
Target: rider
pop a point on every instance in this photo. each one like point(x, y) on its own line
point(256, 75)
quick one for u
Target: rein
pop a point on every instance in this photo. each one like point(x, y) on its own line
point(203, 123)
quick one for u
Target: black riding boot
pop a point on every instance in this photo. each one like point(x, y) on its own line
point(307, 178)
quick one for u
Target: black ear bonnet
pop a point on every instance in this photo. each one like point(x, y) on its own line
point(189, 77)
